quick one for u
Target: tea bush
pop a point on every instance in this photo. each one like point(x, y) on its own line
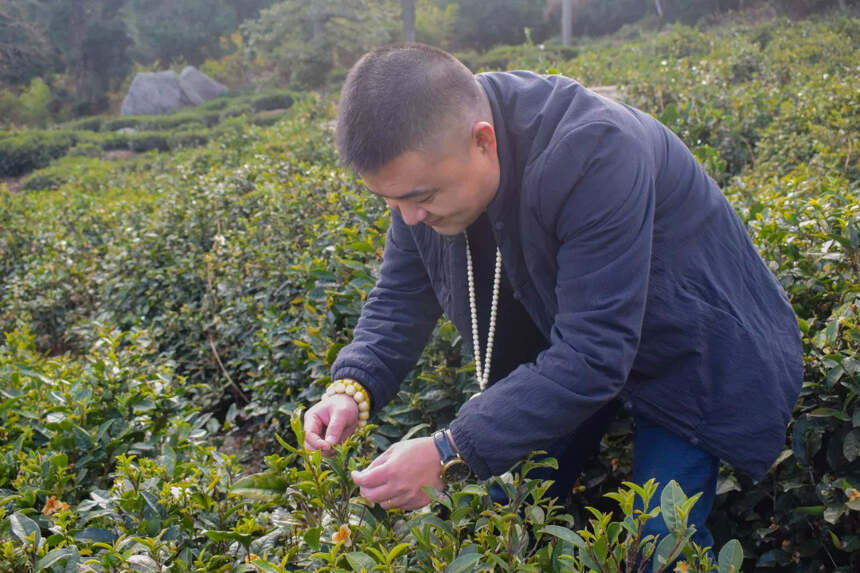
point(772, 111)
point(167, 319)
point(24, 151)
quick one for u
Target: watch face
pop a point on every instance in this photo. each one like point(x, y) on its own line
point(455, 470)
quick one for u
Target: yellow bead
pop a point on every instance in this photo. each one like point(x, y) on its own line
point(350, 389)
point(339, 387)
point(359, 396)
point(363, 407)
point(363, 415)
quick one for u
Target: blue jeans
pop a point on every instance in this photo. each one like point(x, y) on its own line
point(657, 453)
point(660, 454)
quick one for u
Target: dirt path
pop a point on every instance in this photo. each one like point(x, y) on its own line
point(119, 154)
point(11, 183)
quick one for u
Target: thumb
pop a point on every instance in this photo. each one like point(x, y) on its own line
point(374, 474)
point(340, 419)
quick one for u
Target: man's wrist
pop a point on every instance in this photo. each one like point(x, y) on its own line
point(358, 393)
point(453, 467)
point(451, 439)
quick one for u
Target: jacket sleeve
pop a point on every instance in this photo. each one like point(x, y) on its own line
point(396, 320)
point(598, 182)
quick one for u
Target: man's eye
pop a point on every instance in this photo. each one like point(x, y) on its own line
point(427, 199)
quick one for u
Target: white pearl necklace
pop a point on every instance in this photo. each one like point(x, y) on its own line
point(483, 374)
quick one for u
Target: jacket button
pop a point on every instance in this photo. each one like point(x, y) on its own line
point(517, 295)
point(500, 225)
point(627, 405)
point(694, 440)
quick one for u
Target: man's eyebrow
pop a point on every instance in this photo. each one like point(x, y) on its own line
point(409, 194)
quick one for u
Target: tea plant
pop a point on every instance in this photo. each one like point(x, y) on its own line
point(166, 319)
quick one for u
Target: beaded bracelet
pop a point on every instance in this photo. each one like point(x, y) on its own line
point(358, 393)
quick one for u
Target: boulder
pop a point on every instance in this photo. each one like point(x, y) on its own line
point(198, 86)
point(159, 93)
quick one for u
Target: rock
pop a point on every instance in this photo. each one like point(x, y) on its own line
point(198, 86)
point(154, 93)
point(159, 93)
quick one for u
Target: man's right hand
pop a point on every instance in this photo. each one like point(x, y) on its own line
point(330, 421)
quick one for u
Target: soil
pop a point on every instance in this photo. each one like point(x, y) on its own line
point(12, 183)
point(270, 112)
point(120, 154)
point(249, 443)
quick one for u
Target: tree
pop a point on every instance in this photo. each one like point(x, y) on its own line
point(92, 41)
point(436, 25)
point(301, 42)
point(25, 51)
point(167, 30)
point(482, 25)
point(566, 21)
point(247, 9)
point(569, 10)
point(408, 9)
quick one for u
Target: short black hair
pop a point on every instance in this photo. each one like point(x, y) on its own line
point(403, 98)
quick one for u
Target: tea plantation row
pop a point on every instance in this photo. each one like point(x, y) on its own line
point(166, 320)
point(24, 151)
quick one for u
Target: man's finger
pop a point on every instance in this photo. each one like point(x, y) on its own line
point(314, 427)
point(375, 474)
point(334, 432)
point(380, 459)
point(377, 494)
point(316, 443)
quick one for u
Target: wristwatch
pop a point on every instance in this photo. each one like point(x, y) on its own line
point(454, 468)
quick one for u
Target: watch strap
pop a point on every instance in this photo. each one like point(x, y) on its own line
point(444, 447)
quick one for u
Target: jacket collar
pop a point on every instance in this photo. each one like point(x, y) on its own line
point(510, 173)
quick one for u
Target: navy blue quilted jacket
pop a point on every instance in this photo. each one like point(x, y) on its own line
point(629, 260)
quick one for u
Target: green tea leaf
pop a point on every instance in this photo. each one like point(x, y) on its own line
point(731, 557)
point(265, 566)
point(672, 498)
point(143, 564)
point(464, 563)
point(23, 528)
point(851, 445)
point(265, 486)
point(564, 534)
point(57, 555)
point(312, 537)
point(360, 561)
point(667, 550)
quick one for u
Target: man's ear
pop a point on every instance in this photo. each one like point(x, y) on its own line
point(484, 136)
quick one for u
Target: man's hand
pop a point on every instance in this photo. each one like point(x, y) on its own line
point(395, 479)
point(330, 421)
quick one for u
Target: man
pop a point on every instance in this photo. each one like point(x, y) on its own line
point(586, 255)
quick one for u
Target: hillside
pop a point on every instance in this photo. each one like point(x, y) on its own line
point(166, 317)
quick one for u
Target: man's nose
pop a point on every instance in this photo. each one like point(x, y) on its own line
point(412, 215)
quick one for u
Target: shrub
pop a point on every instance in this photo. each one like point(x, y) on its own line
point(86, 149)
point(274, 100)
point(61, 171)
point(42, 179)
point(24, 151)
point(92, 123)
point(244, 265)
point(523, 57)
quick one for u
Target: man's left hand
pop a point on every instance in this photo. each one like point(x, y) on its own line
point(397, 477)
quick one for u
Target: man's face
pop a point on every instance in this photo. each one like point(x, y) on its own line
point(446, 190)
